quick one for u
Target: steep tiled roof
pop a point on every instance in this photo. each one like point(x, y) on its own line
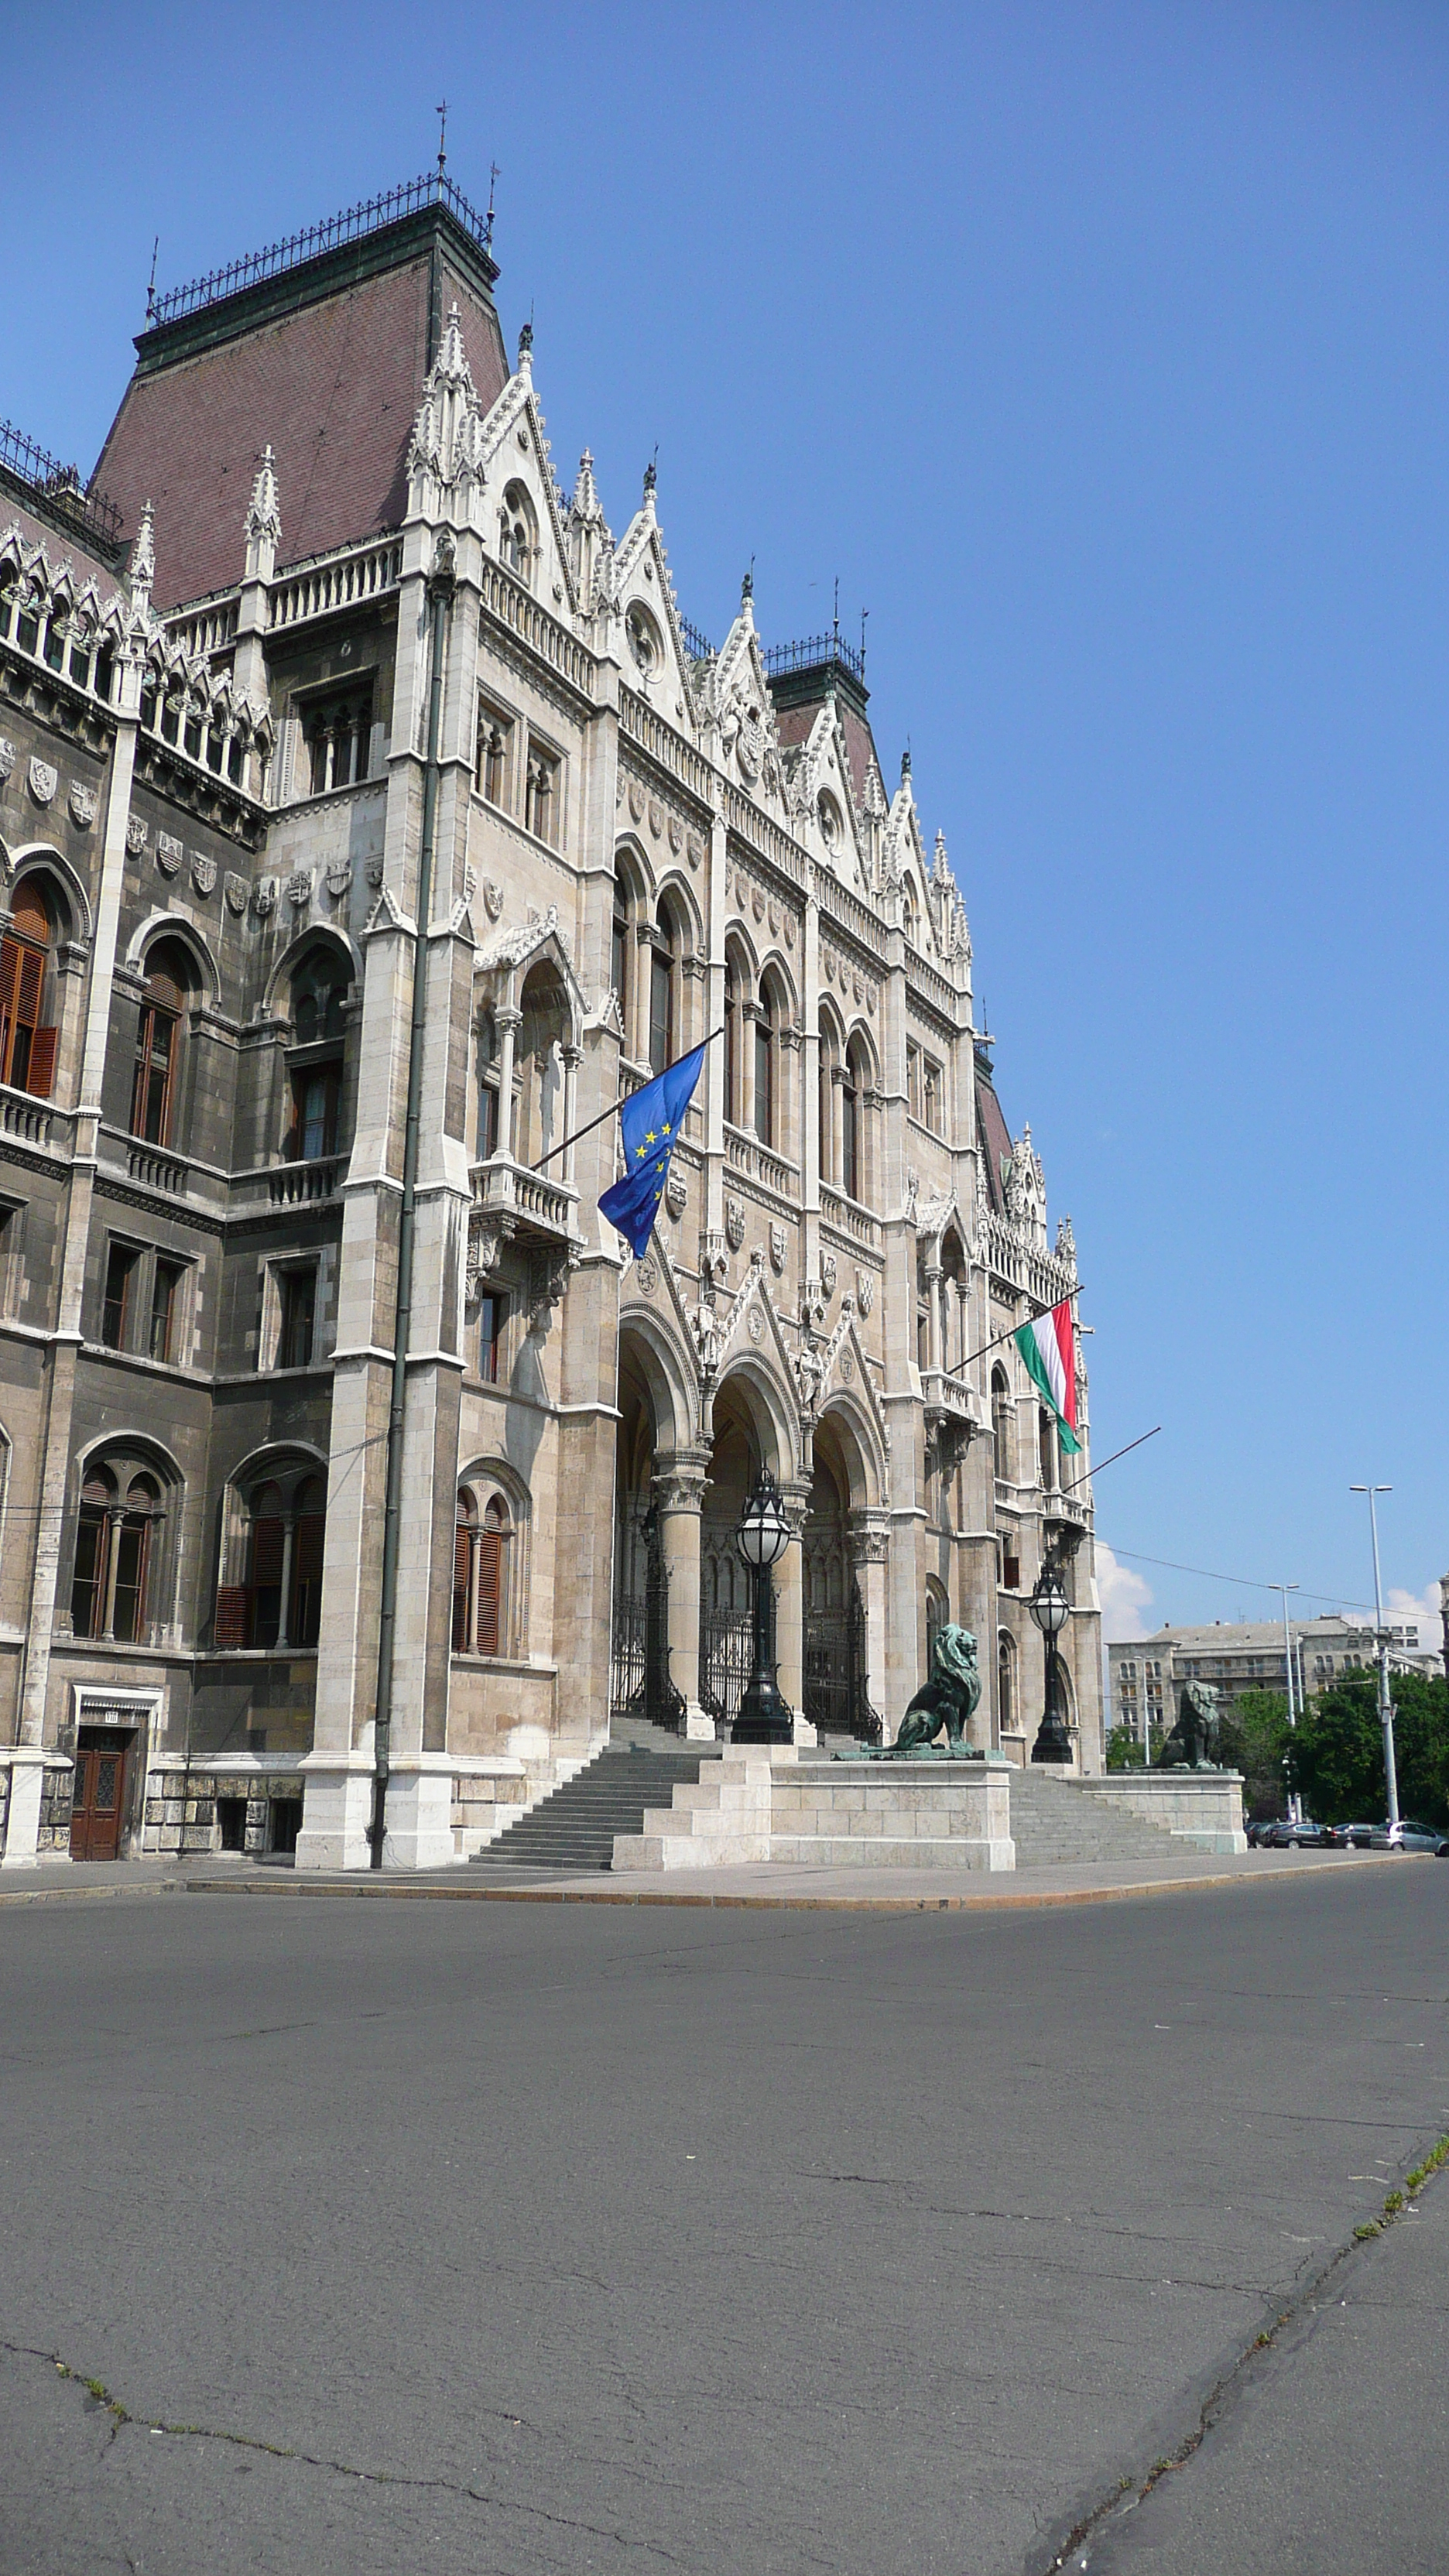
point(333, 384)
point(995, 1138)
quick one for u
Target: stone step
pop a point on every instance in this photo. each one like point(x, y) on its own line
point(574, 1828)
point(1061, 1824)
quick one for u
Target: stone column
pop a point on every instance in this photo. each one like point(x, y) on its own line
point(573, 1057)
point(677, 1486)
point(507, 1021)
point(789, 1577)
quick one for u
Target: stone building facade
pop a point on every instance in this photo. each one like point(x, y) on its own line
point(369, 822)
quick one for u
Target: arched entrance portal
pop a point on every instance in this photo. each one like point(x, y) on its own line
point(640, 1681)
point(836, 1692)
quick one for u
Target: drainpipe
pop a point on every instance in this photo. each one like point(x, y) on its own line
point(441, 586)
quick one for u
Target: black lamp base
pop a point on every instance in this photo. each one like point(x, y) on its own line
point(764, 1718)
point(1053, 1743)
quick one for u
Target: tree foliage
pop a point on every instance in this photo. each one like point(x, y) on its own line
point(1254, 1739)
point(1124, 1747)
point(1337, 1754)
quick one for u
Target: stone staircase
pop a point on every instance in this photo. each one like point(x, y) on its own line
point(574, 1827)
point(1061, 1823)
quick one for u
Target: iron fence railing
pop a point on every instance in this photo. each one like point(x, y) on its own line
point(434, 188)
point(696, 644)
point(810, 651)
point(58, 484)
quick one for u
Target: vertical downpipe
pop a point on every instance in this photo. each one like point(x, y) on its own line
point(441, 586)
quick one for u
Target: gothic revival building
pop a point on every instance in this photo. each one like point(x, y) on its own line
point(370, 821)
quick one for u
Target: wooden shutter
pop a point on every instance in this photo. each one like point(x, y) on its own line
point(231, 1615)
point(266, 1551)
point(490, 1569)
point(460, 1589)
point(32, 978)
point(307, 1546)
point(42, 1063)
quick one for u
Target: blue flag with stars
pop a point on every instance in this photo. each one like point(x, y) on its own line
point(650, 1122)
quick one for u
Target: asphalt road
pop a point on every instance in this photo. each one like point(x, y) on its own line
point(534, 2239)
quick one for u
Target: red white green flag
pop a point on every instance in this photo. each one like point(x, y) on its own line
point(1049, 1352)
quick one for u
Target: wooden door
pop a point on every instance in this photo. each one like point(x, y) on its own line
point(99, 1800)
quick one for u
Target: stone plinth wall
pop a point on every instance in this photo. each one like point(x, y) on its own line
point(770, 1805)
point(1203, 1809)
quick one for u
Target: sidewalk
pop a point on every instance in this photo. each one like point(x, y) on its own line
point(765, 1884)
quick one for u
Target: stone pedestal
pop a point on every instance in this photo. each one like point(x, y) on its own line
point(26, 1765)
point(768, 1804)
point(336, 1811)
point(1203, 1809)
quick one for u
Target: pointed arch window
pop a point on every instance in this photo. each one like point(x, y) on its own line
point(319, 989)
point(734, 1040)
point(852, 1130)
point(27, 978)
point(518, 532)
point(158, 1044)
point(279, 1602)
point(114, 1541)
point(480, 1574)
point(1005, 1683)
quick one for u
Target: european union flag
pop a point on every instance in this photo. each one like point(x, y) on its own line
point(650, 1122)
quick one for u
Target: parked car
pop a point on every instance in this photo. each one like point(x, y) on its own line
point(1283, 1833)
point(1353, 1837)
point(1406, 1836)
point(1258, 1829)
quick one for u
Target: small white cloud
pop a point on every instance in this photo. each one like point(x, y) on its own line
point(1123, 1595)
point(1403, 1606)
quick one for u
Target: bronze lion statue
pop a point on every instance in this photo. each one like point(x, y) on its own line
point(1193, 1743)
point(948, 1699)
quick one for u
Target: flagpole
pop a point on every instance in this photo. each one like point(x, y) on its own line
point(1096, 1470)
point(1010, 1333)
point(616, 1105)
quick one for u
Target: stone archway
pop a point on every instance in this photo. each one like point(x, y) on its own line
point(724, 1592)
point(836, 1657)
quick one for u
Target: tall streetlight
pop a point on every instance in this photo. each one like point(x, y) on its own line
point(1051, 1610)
point(1386, 1705)
point(1294, 1805)
point(762, 1538)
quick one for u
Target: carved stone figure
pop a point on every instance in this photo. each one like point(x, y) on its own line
point(950, 1698)
point(1193, 1743)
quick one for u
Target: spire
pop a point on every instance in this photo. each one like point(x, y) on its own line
point(447, 438)
point(264, 510)
point(906, 766)
point(941, 865)
point(141, 572)
point(450, 367)
point(586, 508)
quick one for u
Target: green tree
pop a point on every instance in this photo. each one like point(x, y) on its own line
point(1254, 1739)
point(1421, 1744)
point(1124, 1747)
point(1336, 1761)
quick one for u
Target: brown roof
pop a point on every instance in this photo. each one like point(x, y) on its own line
point(62, 545)
point(995, 1138)
point(333, 384)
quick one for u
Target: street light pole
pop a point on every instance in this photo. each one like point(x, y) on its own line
point(1386, 1705)
point(1294, 1803)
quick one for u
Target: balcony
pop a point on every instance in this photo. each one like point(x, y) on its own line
point(305, 1184)
point(524, 1203)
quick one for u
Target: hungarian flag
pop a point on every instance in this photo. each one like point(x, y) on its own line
point(1047, 1348)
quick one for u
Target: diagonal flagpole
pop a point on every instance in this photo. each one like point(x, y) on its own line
point(615, 1106)
point(1096, 1468)
point(1010, 1333)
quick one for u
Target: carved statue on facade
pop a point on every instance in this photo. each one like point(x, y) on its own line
point(1193, 1743)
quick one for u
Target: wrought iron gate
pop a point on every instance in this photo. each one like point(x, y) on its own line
point(639, 1678)
point(837, 1678)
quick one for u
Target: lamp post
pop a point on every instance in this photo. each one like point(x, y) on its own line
point(1295, 1803)
point(1386, 1705)
point(762, 1538)
point(1051, 1610)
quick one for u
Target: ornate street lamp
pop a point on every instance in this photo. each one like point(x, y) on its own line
point(1051, 1610)
point(762, 1538)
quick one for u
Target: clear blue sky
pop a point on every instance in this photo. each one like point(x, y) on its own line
point(1101, 351)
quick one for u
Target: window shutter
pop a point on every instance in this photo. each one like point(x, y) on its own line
point(490, 1567)
point(42, 1063)
point(266, 1551)
point(231, 1615)
point(32, 978)
point(9, 972)
point(307, 1547)
point(460, 1591)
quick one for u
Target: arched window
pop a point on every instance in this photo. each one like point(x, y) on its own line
point(619, 954)
point(1002, 1419)
point(278, 1551)
point(664, 993)
point(1005, 1683)
point(937, 1616)
point(518, 532)
point(736, 988)
point(319, 990)
point(910, 915)
point(542, 1035)
point(769, 1021)
point(114, 1540)
point(852, 1121)
point(27, 976)
point(831, 1077)
point(169, 981)
point(481, 1609)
